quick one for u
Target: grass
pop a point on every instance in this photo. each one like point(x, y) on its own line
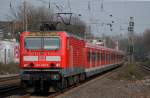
point(147, 62)
point(131, 72)
point(11, 68)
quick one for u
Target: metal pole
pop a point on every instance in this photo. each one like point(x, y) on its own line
point(25, 20)
point(131, 42)
point(69, 6)
point(5, 58)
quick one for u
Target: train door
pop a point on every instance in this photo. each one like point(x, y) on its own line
point(96, 58)
point(90, 58)
point(109, 57)
point(71, 58)
point(84, 59)
point(100, 58)
point(105, 57)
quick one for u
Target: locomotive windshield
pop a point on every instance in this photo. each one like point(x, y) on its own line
point(33, 43)
point(47, 43)
point(51, 43)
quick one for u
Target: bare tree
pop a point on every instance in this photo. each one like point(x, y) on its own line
point(35, 16)
point(146, 41)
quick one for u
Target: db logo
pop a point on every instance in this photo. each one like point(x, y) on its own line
point(41, 58)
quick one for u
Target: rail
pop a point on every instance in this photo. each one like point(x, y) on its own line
point(146, 67)
point(9, 77)
point(84, 83)
point(9, 83)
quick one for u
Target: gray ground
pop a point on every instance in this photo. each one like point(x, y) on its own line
point(107, 87)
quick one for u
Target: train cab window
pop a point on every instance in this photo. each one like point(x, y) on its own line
point(33, 43)
point(48, 43)
point(51, 43)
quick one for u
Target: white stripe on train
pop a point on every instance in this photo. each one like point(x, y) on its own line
point(30, 58)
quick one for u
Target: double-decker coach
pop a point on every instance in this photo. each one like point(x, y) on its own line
point(99, 59)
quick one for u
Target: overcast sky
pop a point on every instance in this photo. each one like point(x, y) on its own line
point(120, 10)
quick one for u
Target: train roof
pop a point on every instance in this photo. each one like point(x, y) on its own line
point(64, 32)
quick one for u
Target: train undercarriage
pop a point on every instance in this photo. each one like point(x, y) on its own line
point(48, 81)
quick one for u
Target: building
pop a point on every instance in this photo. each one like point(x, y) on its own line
point(9, 52)
point(1, 35)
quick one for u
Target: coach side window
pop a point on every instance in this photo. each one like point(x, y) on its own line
point(107, 57)
point(103, 56)
point(113, 56)
point(100, 56)
point(93, 56)
point(88, 56)
point(110, 57)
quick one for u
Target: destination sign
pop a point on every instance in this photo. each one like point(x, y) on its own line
point(43, 34)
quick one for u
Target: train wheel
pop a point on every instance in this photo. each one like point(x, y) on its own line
point(65, 83)
point(23, 84)
point(37, 87)
point(76, 79)
point(62, 84)
point(44, 87)
point(70, 81)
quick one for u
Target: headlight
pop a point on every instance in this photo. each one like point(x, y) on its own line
point(57, 65)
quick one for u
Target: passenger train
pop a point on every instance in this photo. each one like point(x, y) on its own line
point(57, 59)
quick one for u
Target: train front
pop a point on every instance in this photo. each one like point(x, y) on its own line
point(41, 60)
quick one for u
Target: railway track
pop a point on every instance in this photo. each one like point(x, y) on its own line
point(12, 87)
point(6, 78)
point(85, 83)
point(146, 67)
point(25, 96)
point(8, 88)
point(9, 83)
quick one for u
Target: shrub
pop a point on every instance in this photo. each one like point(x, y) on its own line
point(11, 68)
point(131, 72)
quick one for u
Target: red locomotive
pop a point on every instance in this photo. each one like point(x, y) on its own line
point(58, 59)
